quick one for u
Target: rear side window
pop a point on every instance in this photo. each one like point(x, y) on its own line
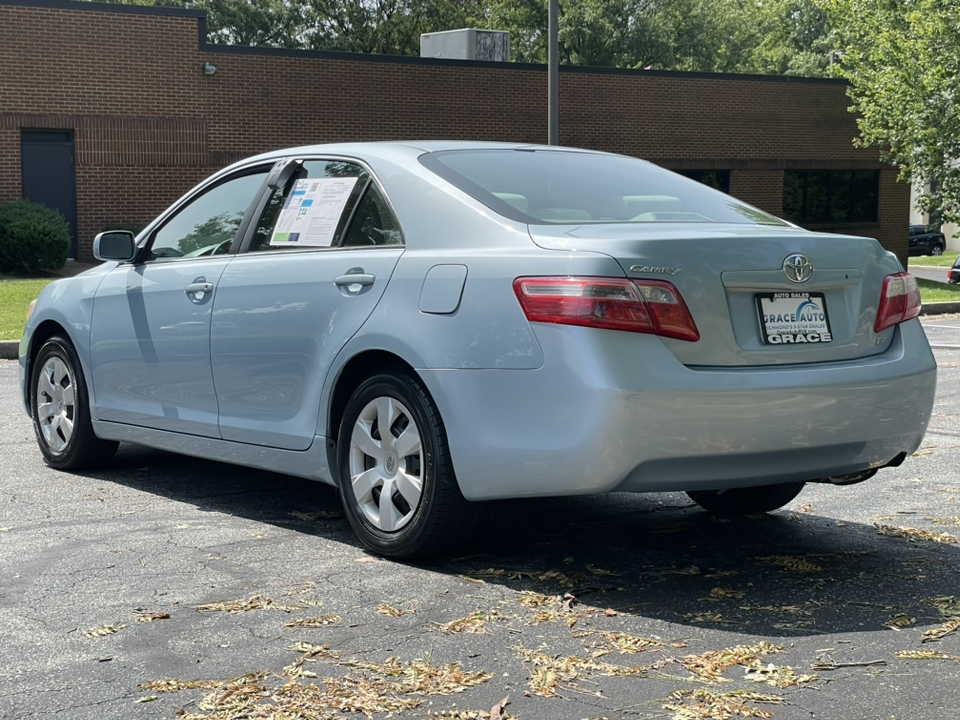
point(324, 204)
point(542, 187)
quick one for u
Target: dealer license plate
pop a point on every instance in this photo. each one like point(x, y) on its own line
point(794, 318)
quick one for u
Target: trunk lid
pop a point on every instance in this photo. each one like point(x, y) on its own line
point(734, 281)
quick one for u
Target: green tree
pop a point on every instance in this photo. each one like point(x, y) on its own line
point(383, 26)
point(902, 59)
point(767, 36)
point(266, 23)
point(795, 38)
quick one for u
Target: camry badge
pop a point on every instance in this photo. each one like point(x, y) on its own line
point(797, 268)
point(654, 269)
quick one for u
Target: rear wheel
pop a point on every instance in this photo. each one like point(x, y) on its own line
point(936, 250)
point(745, 501)
point(396, 476)
point(61, 410)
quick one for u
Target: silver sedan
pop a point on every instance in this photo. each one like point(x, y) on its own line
point(428, 325)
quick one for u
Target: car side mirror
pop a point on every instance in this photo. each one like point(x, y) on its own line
point(116, 245)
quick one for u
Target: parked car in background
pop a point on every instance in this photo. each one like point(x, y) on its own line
point(953, 274)
point(924, 242)
point(427, 325)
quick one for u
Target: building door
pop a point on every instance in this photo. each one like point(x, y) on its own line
point(47, 174)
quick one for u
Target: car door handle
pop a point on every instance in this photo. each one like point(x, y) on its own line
point(198, 287)
point(355, 279)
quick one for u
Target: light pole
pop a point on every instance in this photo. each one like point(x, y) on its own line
point(553, 72)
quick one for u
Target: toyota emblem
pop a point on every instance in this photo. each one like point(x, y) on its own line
point(797, 268)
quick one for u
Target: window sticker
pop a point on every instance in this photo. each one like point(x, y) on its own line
point(310, 215)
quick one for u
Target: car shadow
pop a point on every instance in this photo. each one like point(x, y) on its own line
point(787, 574)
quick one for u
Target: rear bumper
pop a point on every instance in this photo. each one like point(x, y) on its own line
point(611, 411)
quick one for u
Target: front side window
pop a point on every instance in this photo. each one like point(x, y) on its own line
point(830, 196)
point(542, 187)
point(325, 203)
point(208, 224)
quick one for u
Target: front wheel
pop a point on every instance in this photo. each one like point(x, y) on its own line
point(746, 501)
point(397, 482)
point(61, 410)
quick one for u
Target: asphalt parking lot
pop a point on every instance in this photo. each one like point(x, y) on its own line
point(169, 587)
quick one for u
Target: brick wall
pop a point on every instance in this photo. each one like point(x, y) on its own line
point(148, 123)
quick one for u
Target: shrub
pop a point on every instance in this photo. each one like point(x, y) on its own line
point(32, 237)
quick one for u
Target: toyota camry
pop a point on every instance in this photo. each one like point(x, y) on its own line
point(429, 325)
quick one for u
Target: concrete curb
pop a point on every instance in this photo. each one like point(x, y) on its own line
point(940, 308)
point(9, 349)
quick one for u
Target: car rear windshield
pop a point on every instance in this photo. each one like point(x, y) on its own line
point(563, 187)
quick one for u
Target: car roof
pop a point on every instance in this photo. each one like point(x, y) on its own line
point(413, 148)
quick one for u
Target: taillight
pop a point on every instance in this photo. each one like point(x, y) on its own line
point(645, 306)
point(899, 301)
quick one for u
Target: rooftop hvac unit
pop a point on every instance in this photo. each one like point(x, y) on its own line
point(467, 44)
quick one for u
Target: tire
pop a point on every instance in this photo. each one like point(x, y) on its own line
point(746, 501)
point(937, 249)
point(403, 501)
point(60, 407)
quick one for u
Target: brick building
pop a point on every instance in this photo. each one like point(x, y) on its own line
point(111, 103)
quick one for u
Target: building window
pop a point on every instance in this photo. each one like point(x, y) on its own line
point(717, 179)
point(830, 196)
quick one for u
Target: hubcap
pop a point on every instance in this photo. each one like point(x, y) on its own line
point(56, 403)
point(386, 464)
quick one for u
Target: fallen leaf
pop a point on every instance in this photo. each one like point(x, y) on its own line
point(924, 655)
point(628, 644)
point(391, 611)
point(475, 622)
point(791, 563)
point(549, 672)
point(711, 665)
point(102, 630)
point(704, 617)
point(707, 705)
point(913, 534)
point(935, 634)
point(781, 677)
point(314, 622)
point(723, 594)
point(257, 602)
point(899, 621)
point(496, 710)
point(947, 604)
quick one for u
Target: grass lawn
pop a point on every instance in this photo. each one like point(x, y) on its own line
point(945, 260)
point(932, 291)
point(15, 296)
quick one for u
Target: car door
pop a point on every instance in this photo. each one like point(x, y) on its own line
point(311, 271)
point(150, 334)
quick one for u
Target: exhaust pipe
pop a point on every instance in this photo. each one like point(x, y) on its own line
point(859, 477)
